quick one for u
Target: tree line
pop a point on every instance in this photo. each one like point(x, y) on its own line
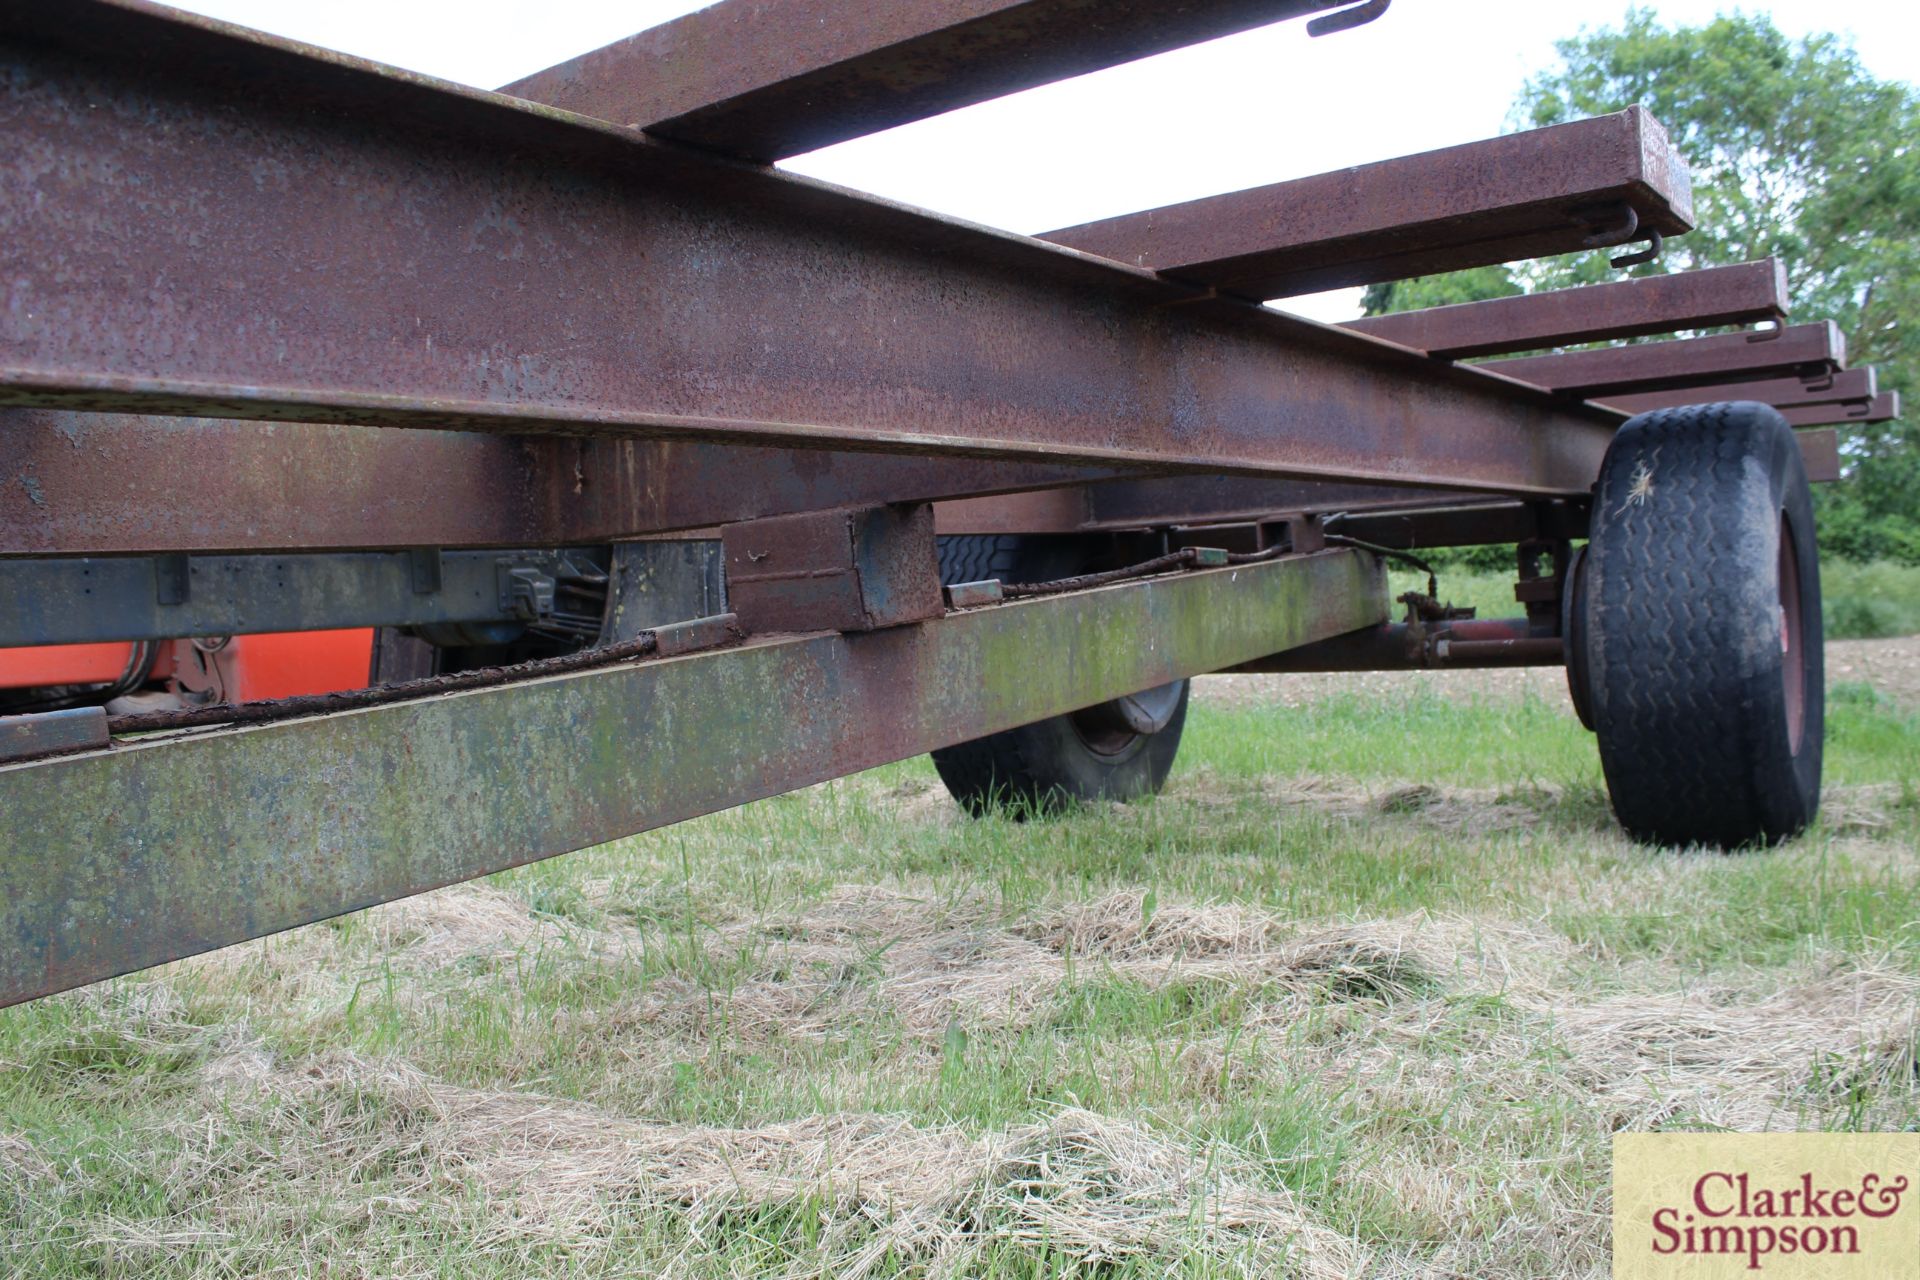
point(1797, 152)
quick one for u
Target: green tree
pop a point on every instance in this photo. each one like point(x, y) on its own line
point(1477, 284)
point(1797, 152)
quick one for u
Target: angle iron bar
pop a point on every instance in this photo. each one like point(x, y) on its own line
point(1168, 500)
point(215, 485)
point(768, 81)
point(1799, 350)
point(1743, 294)
point(165, 847)
point(104, 483)
point(1524, 195)
point(1137, 503)
point(1884, 407)
point(343, 242)
point(1848, 385)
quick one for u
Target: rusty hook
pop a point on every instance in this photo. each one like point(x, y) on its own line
point(1347, 19)
point(1655, 243)
point(1610, 224)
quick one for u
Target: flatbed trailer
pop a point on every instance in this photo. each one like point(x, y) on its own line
point(647, 480)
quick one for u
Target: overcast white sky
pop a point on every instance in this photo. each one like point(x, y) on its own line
point(1248, 109)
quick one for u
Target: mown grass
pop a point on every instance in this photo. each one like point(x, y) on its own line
point(1440, 1095)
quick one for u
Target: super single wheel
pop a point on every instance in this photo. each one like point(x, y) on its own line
point(1118, 750)
point(1694, 629)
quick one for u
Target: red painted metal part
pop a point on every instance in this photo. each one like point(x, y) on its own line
point(57, 664)
point(420, 256)
point(1801, 350)
point(278, 664)
point(1749, 293)
point(1526, 195)
point(767, 80)
point(1793, 668)
point(272, 665)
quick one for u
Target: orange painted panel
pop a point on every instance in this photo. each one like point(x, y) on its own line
point(66, 664)
point(282, 664)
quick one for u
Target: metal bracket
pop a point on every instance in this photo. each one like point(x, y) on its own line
point(427, 570)
point(173, 578)
point(52, 733)
point(695, 635)
point(525, 593)
point(855, 570)
point(974, 595)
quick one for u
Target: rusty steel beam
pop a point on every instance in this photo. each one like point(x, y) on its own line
point(1820, 450)
point(1161, 501)
point(107, 484)
point(124, 484)
point(1884, 407)
point(1396, 646)
point(770, 80)
point(1801, 350)
point(1526, 195)
point(161, 848)
point(1389, 516)
point(1846, 386)
point(1487, 524)
point(343, 243)
point(1749, 293)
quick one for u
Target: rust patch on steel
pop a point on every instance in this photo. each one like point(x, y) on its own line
point(166, 847)
point(834, 570)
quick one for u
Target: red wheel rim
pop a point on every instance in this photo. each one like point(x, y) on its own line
point(1793, 654)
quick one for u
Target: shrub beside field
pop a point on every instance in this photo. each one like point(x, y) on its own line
point(1365, 993)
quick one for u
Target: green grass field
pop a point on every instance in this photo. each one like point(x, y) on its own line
point(1859, 601)
point(1364, 994)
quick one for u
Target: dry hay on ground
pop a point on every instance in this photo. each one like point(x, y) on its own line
point(324, 1142)
point(1484, 1022)
point(883, 1189)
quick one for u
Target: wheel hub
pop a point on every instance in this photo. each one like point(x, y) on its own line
point(1111, 727)
point(1793, 660)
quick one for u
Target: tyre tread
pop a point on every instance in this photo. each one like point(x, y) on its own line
point(1674, 652)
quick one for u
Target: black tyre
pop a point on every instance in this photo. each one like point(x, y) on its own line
point(1118, 750)
point(1695, 628)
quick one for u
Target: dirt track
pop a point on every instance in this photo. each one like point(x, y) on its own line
point(1891, 666)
